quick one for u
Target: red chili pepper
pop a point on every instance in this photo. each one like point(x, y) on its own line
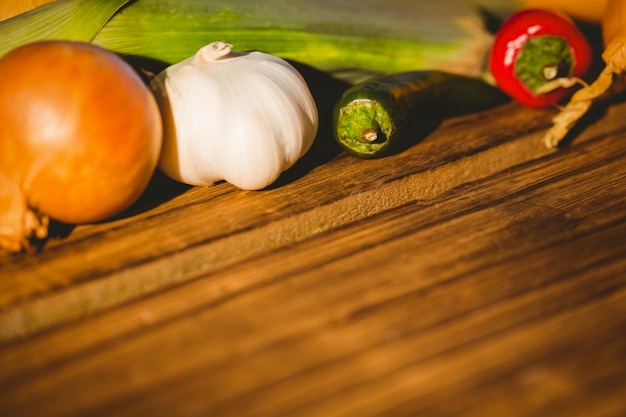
point(534, 47)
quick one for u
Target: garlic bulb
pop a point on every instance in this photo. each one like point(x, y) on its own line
point(239, 117)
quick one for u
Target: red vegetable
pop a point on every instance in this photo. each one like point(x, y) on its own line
point(80, 135)
point(533, 48)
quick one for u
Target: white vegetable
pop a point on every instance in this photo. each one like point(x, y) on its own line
point(240, 117)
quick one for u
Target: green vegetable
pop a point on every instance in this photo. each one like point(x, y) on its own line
point(72, 20)
point(389, 113)
point(381, 36)
point(348, 39)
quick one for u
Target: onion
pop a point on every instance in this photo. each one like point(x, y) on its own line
point(80, 136)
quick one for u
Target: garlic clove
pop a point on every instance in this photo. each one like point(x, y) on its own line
point(240, 117)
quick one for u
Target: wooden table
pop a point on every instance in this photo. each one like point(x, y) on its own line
point(476, 274)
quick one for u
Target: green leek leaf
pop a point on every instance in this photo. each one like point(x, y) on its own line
point(376, 35)
point(77, 20)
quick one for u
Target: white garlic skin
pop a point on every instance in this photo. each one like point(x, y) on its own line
point(240, 117)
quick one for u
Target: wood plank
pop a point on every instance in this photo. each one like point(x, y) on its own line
point(502, 295)
point(476, 274)
point(205, 229)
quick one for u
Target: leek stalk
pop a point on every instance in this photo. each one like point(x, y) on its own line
point(371, 36)
point(375, 35)
point(76, 20)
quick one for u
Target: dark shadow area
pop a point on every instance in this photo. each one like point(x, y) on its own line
point(593, 33)
point(56, 230)
point(415, 131)
point(491, 20)
point(160, 189)
point(147, 68)
point(595, 113)
point(462, 96)
point(326, 90)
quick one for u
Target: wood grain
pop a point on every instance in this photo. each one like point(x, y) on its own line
point(476, 274)
point(209, 228)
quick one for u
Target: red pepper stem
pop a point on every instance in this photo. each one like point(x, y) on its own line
point(563, 82)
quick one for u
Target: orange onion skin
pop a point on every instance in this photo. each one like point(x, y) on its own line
point(613, 21)
point(80, 134)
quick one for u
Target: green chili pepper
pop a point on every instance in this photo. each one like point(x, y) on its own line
point(388, 113)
